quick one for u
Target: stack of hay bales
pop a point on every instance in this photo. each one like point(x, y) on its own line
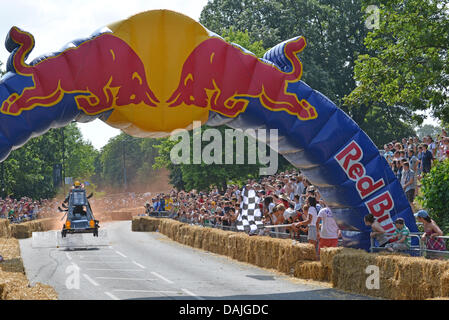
point(25, 230)
point(5, 231)
point(144, 224)
point(120, 215)
point(326, 258)
point(14, 284)
point(400, 277)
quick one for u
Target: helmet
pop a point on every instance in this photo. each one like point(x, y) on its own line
point(77, 184)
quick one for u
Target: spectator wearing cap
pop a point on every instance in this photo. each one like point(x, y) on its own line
point(328, 234)
point(431, 232)
point(400, 240)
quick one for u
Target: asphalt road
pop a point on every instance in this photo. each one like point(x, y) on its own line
point(143, 265)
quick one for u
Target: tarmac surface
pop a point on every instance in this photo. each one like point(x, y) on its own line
point(148, 265)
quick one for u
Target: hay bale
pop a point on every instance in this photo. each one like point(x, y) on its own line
point(4, 228)
point(313, 270)
point(20, 230)
point(120, 215)
point(290, 253)
point(240, 252)
point(25, 230)
point(144, 224)
point(223, 242)
point(445, 284)
point(400, 277)
point(327, 256)
point(14, 284)
point(262, 247)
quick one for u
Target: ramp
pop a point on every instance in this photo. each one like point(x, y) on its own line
point(54, 239)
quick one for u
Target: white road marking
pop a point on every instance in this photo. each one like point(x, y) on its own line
point(104, 261)
point(95, 256)
point(90, 280)
point(190, 293)
point(139, 265)
point(157, 291)
point(161, 277)
point(68, 256)
point(131, 279)
point(111, 295)
point(119, 253)
point(135, 270)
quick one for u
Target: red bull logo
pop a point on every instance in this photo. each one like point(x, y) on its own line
point(221, 77)
point(103, 72)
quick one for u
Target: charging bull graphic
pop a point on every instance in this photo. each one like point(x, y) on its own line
point(197, 76)
point(93, 70)
point(220, 76)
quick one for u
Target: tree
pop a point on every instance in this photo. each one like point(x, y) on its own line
point(126, 161)
point(435, 194)
point(203, 176)
point(428, 130)
point(243, 39)
point(409, 63)
point(29, 169)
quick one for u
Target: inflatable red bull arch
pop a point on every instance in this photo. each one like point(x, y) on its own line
point(160, 70)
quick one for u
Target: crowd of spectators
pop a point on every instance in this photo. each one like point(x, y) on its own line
point(25, 209)
point(287, 199)
point(411, 158)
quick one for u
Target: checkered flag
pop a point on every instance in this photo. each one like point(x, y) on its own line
point(249, 219)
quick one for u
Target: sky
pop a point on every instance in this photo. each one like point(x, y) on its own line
point(53, 23)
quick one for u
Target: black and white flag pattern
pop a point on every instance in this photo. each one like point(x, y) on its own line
point(250, 217)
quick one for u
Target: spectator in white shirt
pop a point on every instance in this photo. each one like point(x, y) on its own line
point(329, 233)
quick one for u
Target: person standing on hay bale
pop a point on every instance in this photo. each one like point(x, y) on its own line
point(401, 237)
point(329, 233)
point(378, 233)
point(431, 232)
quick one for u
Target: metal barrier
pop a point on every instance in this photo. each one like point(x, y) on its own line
point(420, 249)
point(436, 253)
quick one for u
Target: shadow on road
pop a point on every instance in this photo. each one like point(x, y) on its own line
point(320, 294)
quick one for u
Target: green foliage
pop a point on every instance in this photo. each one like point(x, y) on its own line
point(383, 127)
point(243, 39)
point(126, 160)
point(29, 169)
point(435, 194)
point(428, 130)
point(408, 64)
point(204, 176)
point(335, 33)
